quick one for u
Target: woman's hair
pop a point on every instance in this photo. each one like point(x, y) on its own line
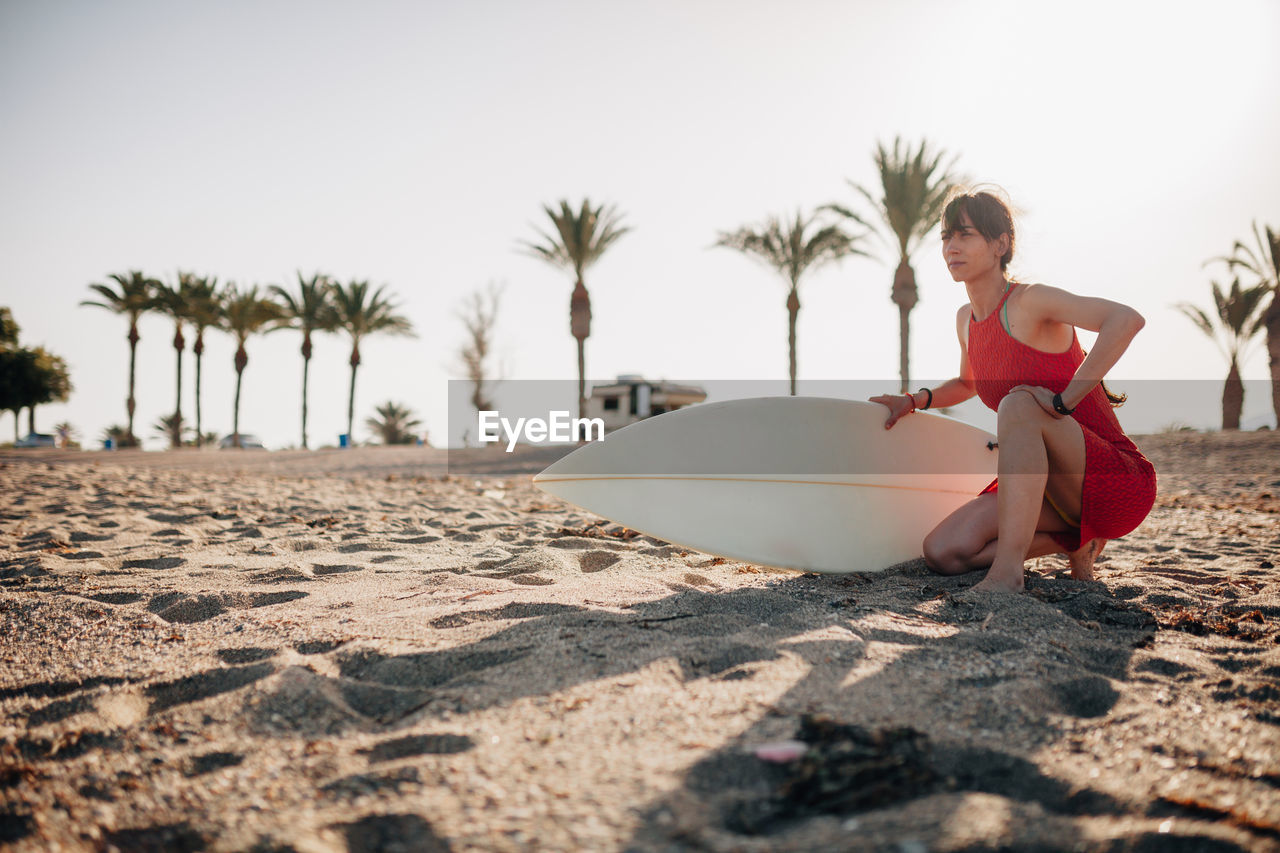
point(992, 216)
point(988, 212)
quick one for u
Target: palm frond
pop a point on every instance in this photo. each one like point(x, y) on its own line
point(246, 312)
point(913, 188)
point(1238, 316)
point(789, 249)
point(580, 238)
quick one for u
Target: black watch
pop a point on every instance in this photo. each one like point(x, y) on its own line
point(1059, 406)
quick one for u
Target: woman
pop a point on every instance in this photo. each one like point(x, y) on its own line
point(1069, 478)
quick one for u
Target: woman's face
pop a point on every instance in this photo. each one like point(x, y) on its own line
point(968, 254)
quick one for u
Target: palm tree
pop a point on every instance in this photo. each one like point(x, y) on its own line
point(479, 315)
point(134, 296)
point(30, 377)
point(116, 434)
point(913, 189)
point(9, 329)
point(204, 310)
point(1265, 264)
point(67, 434)
point(1239, 322)
point(19, 382)
point(245, 313)
point(309, 309)
point(171, 425)
point(360, 313)
point(53, 383)
point(175, 301)
point(791, 253)
point(394, 423)
point(579, 241)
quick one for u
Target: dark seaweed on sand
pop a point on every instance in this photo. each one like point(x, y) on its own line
point(846, 769)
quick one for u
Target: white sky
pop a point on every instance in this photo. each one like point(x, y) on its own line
point(413, 144)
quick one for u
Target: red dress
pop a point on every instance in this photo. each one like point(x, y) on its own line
point(1119, 482)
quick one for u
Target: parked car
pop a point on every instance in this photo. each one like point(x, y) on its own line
point(248, 441)
point(36, 439)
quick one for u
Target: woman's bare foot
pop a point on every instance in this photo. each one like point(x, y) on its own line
point(1081, 560)
point(1003, 579)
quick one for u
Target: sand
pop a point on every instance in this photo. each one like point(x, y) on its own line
point(354, 651)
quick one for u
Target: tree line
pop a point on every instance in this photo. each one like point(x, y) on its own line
point(317, 304)
point(1241, 313)
point(899, 210)
point(29, 376)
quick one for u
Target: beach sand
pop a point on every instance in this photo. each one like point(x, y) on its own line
point(349, 650)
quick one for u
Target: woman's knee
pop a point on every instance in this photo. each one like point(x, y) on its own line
point(1018, 409)
point(944, 556)
point(1017, 404)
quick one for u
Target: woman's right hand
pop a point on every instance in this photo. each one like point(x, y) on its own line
point(898, 405)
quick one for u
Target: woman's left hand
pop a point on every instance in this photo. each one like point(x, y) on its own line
point(1043, 396)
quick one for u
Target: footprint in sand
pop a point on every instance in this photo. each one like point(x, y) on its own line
point(175, 836)
point(154, 563)
point(417, 540)
point(117, 597)
point(365, 784)
point(82, 536)
point(211, 761)
point(186, 609)
point(535, 567)
point(413, 745)
point(391, 832)
point(286, 574)
point(323, 569)
point(317, 647)
point(576, 543)
point(597, 561)
point(248, 654)
point(202, 685)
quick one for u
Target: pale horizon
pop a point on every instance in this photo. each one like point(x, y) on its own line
point(414, 145)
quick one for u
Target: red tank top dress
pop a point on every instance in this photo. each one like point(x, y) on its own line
point(1119, 482)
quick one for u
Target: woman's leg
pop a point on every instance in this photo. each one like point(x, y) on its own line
point(965, 541)
point(1039, 455)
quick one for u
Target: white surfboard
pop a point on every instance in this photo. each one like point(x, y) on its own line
point(794, 482)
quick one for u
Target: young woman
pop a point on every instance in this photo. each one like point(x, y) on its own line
point(1069, 478)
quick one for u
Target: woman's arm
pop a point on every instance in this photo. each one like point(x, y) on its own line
point(949, 393)
point(1116, 325)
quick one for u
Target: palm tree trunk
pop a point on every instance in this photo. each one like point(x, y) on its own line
point(1272, 322)
point(351, 407)
point(1232, 398)
point(198, 349)
point(582, 377)
point(904, 365)
point(351, 397)
point(242, 361)
point(131, 404)
point(306, 368)
point(793, 311)
point(905, 296)
point(235, 410)
point(580, 328)
point(179, 343)
point(31, 419)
